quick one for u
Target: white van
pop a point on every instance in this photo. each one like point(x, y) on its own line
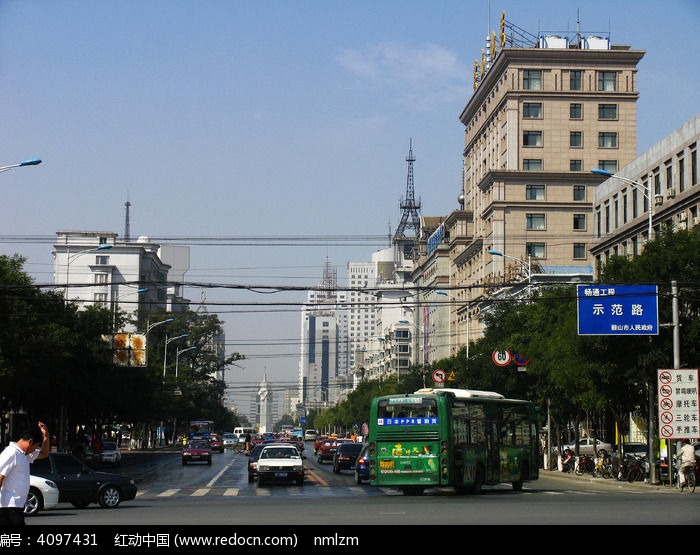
point(243, 431)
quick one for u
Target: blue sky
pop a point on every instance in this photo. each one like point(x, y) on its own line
point(270, 119)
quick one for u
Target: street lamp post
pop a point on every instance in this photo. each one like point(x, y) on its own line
point(527, 266)
point(165, 361)
point(645, 189)
point(32, 162)
point(70, 257)
point(150, 326)
point(177, 391)
point(116, 304)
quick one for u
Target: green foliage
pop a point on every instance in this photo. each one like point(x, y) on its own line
point(603, 377)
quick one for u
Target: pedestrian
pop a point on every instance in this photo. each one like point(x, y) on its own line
point(248, 439)
point(15, 459)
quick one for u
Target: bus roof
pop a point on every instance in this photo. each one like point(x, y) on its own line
point(463, 393)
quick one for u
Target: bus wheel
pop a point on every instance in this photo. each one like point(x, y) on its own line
point(518, 484)
point(413, 490)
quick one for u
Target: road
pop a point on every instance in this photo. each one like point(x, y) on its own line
point(170, 494)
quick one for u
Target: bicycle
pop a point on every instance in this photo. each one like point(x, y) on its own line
point(689, 472)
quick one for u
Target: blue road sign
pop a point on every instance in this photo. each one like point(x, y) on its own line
point(618, 310)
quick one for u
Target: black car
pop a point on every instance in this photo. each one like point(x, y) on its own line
point(345, 456)
point(362, 465)
point(80, 485)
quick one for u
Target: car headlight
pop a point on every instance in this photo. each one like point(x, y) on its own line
point(263, 467)
point(50, 483)
point(298, 468)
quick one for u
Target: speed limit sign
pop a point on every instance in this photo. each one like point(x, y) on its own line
point(439, 376)
point(501, 358)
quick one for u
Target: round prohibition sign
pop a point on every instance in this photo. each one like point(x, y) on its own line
point(666, 431)
point(666, 404)
point(501, 358)
point(439, 376)
point(665, 377)
point(666, 418)
point(666, 390)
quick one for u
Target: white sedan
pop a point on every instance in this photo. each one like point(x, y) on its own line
point(585, 446)
point(280, 462)
point(43, 494)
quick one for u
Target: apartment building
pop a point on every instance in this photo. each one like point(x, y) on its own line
point(657, 188)
point(540, 117)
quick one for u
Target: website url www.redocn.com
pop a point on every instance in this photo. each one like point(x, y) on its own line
point(181, 540)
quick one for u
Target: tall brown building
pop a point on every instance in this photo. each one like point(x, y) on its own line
point(541, 117)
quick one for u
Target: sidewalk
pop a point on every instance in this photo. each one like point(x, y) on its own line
point(607, 482)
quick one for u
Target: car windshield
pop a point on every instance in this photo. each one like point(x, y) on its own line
point(198, 445)
point(279, 453)
point(109, 446)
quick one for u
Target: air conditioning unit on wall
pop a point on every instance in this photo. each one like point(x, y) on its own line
point(670, 193)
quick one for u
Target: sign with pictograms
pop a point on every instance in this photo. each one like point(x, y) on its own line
point(678, 403)
point(439, 376)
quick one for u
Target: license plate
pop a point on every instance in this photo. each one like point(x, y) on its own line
point(386, 464)
point(280, 474)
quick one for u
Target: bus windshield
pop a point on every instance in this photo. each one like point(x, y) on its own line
point(200, 429)
point(406, 407)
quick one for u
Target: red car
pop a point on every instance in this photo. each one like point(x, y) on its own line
point(216, 443)
point(328, 449)
point(197, 450)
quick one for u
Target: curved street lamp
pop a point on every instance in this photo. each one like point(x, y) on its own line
point(32, 162)
point(70, 257)
point(526, 267)
point(645, 189)
point(150, 326)
point(116, 304)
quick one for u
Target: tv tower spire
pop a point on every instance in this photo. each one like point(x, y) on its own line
point(127, 224)
point(410, 219)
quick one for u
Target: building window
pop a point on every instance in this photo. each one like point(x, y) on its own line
point(579, 192)
point(607, 81)
point(535, 221)
point(532, 79)
point(102, 260)
point(535, 250)
point(575, 139)
point(607, 111)
point(575, 165)
point(403, 349)
point(532, 138)
point(681, 174)
point(99, 299)
point(532, 110)
point(532, 164)
point(101, 279)
point(580, 250)
point(575, 111)
point(607, 140)
point(575, 80)
point(579, 222)
point(534, 192)
point(608, 165)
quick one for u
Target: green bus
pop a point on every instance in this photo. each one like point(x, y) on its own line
point(456, 438)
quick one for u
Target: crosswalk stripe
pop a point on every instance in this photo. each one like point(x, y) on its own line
point(231, 491)
point(200, 492)
point(168, 492)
